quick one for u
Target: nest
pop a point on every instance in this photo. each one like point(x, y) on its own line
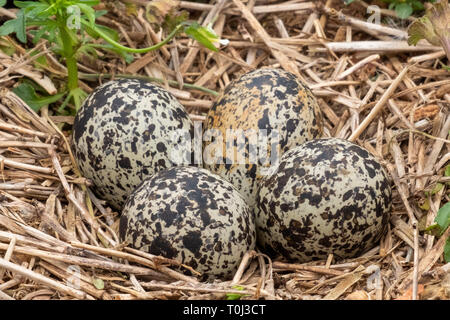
point(57, 241)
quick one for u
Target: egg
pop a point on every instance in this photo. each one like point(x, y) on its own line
point(193, 216)
point(327, 196)
point(258, 117)
point(127, 130)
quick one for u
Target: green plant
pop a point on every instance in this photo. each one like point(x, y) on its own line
point(236, 296)
point(442, 222)
point(70, 26)
point(403, 8)
point(35, 97)
point(434, 26)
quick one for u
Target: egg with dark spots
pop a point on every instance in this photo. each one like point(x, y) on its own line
point(257, 118)
point(126, 131)
point(193, 216)
point(327, 196)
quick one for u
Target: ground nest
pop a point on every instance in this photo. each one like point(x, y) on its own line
point(58, 241)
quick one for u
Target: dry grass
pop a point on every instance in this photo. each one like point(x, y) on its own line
point(53, 232)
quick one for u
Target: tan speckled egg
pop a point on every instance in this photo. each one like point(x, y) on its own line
point(191, 215)
point(125, 131)
point(327, 196)
point(257, 118)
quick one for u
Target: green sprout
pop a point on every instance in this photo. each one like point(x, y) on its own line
point(236, 296)
point(69, 25)
point(403, 8)
point(434, 26)
point(442, 222)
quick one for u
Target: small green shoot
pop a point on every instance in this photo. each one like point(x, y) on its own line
point(235, 296)
point(442, 222)
point(98, 283)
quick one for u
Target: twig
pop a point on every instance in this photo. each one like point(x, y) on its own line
point(321, 270)
point(101, 264)
point(71, 197)
point(44, 280)
point(244, 263)
point(4, 296)
point(278, 51)
point(24, 166)
point(357, 66)
point(137, 259)
point(377, 47)
point(379, 106)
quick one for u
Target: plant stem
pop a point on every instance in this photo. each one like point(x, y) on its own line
point(132, 50)
point(152, 79)
point(69, 55)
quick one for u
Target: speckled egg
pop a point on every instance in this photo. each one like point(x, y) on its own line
point(125, 131)
point(326, 196)
point(193, 216)
point(257, 118)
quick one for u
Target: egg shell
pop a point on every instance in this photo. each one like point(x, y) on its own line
point(193, 216)
point(125, 131)
point(264, 101)
point(326, 196)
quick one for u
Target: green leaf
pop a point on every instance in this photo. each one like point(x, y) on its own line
point(33, 84)
point(15, 26)
point(235, 296)
point(2, 3)
point(38, 34)
point(38, 10)
point(42, 60)
point(447, 171)
point(88, 11)
point(8, 49)
point(443, 217)
point(24, 4)
point(403, 10)
point(437, 188)
point(425, 205)
point(88, 49)
point(28, 94)
point(347, 2)
point(89, 2)
point(433, 230)
point(422, 28)
point(98, 283)
point(204, 36)
point(447, 250)
point(417, 5)
point(100, 13)
point(108, 31)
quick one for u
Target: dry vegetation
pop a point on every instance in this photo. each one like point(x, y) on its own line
point(373, 89)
